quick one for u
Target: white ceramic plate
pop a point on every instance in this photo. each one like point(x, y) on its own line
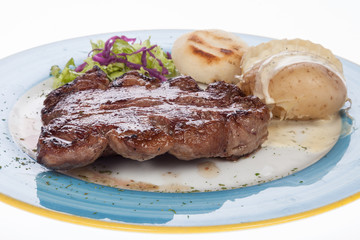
point(273, 185)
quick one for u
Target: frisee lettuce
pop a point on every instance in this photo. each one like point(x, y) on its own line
point(117, 56)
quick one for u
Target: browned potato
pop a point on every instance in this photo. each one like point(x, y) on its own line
point(209, 55)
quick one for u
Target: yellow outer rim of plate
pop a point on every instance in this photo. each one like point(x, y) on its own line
point(171, 229)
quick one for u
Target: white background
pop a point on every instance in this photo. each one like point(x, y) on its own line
point(334, 24)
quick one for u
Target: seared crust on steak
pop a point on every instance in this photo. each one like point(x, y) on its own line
point(140, 118)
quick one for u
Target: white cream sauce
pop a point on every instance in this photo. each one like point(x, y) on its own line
point(312, 135)
point(272, 65)
point(291, 146)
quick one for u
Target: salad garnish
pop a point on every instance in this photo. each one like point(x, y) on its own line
point(116, 56)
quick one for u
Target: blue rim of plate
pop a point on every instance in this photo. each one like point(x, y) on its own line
point(331, 182)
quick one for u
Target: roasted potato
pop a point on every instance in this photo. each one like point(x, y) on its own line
point(209, 55)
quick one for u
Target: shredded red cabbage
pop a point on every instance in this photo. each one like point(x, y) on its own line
point(80, 67)
point(106, 56)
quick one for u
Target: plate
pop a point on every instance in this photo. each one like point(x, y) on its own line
point(330, 182)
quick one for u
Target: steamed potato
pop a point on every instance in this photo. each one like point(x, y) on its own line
point(296, 78)
point(209, 55)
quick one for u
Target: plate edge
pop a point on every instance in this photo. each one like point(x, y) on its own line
point(171, 229)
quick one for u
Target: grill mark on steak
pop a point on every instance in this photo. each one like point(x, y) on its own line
point(140, 118)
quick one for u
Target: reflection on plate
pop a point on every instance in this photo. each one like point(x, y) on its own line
point(274, 184)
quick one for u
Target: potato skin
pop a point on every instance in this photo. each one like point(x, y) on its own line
point(209, 55)
point(301, 91)
point(307, 91)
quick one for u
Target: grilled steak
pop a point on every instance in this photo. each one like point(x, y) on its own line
point(140, 118)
